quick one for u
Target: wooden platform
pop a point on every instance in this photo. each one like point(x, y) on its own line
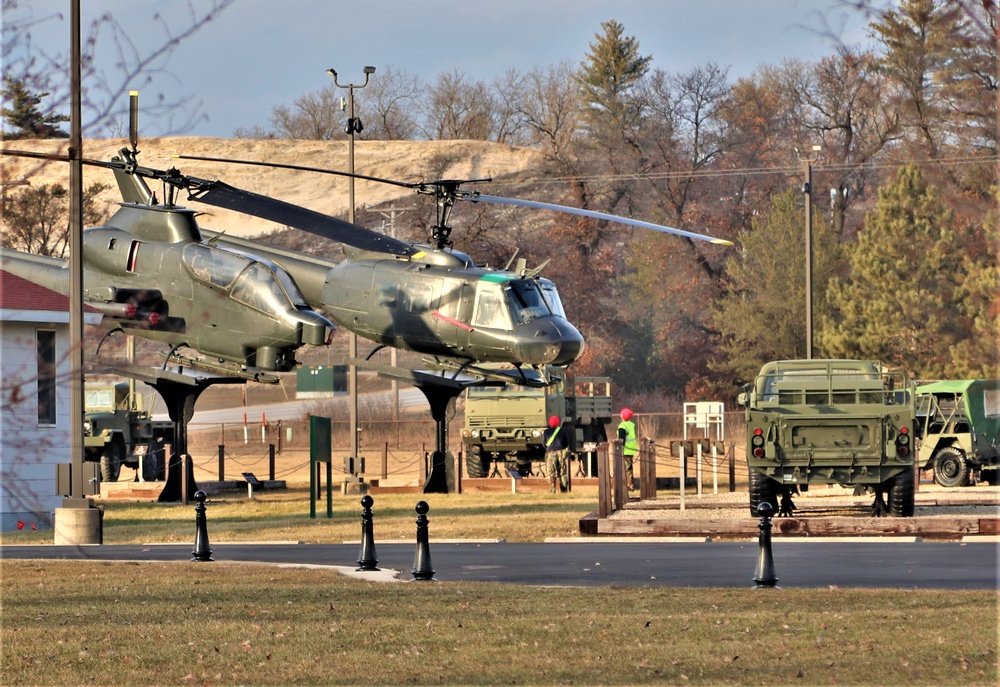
point(747, 528)
point(819, 515)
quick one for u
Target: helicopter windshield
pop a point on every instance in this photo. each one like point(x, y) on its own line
point(213, 266)
point(552, 297)
point(525, 301)
point(258, 288)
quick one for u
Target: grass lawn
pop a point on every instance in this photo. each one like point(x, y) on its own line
point(85, 622)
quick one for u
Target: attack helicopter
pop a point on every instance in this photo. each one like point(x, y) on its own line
point(430, 298)
point(152, 274)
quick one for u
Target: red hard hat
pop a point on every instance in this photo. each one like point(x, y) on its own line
point(554, 422)
point(626, 414)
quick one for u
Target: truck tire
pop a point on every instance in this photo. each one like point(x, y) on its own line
point(762, 490)
point(111, 460)
point(950, 468)
point(476, 465)
point(901, 495)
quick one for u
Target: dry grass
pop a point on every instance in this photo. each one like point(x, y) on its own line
point(77, 622)
point(283, 515)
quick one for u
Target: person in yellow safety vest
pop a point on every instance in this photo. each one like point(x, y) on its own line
point(630, 445)
point(556, 464)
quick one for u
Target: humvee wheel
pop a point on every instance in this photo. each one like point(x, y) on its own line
point(950, 468)
point(762, 490)
point(476, 465)
point(151, 468)
point(901, 495)
point(111, 460)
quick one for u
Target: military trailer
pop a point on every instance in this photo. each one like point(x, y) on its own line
point(117, 431)
point(958, 428)
point(847, 422)
point(504, 424)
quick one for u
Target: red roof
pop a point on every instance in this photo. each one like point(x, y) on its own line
point(17, 293)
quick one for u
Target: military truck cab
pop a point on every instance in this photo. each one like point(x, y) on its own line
point(847, 422)
point(504, 424)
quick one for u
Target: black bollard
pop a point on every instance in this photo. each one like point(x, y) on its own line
point(422, 569)
point(765, 577)
point(367, 559)
point(201, 551)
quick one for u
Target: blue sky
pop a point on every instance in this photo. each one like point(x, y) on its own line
point(262, 53)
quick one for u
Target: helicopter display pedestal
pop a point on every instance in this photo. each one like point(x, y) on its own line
point(441, 392)
point(179, 393)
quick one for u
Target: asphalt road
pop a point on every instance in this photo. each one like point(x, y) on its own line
point(797, 564)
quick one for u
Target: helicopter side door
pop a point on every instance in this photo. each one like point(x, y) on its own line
point(491, 323)
point(418, 299)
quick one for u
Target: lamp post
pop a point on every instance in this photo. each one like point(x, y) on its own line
point(353, 127)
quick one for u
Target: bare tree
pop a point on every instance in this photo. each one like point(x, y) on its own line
point(390, 106)
point(550, 107)
point(458, 108)
point(314, 116)
point(104, 101)
point(841, 105)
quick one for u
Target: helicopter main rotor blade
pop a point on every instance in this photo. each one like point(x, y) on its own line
point(301, 168)
point(476, 197)
point(229, 197)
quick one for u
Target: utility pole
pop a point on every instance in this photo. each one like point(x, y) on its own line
point(807, 189)
point(353, 127)
point(76, 407)
point(390, 214)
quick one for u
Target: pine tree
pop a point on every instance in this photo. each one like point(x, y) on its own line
point(609, 74)
point(21, 112)
point(762, 317)
point(902, 301)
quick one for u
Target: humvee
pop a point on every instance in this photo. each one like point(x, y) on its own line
point(118, 432)
point(958, 429)
point(847, 422)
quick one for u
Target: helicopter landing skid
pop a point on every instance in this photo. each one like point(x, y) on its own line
point(228, 369)
point(517, 375)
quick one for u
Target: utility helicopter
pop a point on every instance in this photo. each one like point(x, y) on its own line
point(430, 298)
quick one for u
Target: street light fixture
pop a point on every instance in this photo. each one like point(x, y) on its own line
point(354, 126)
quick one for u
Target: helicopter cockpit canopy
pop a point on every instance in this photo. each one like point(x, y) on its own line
point(507, 304)
point(258, 283)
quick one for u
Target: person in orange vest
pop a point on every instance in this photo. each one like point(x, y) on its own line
point(630, 445)
point(556, 446)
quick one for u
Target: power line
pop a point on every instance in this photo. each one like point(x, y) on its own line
point(765, 171)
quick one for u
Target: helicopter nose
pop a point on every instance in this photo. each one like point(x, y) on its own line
point(315, 330)
point(548, 340)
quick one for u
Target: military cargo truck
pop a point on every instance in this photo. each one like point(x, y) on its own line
point(958, 429)
point(847, 422)
point(117, 431)
point(504, 424)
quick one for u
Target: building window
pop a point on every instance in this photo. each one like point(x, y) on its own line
point(46, 346)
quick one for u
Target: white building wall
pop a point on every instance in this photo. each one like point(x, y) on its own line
point(29, 452)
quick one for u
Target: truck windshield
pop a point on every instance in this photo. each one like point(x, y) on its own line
point(506, 391)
